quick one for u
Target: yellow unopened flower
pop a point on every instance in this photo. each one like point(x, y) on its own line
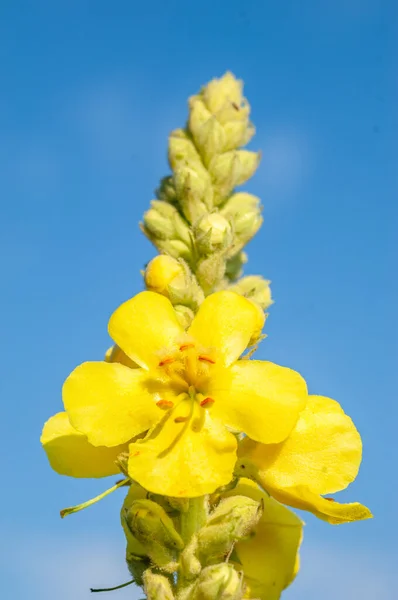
point(163, 271)
point(269, 556)
point(189, 393)
point(321, 456)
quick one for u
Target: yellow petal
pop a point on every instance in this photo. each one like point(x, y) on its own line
point(326, 509)
point(323, 452)
point(144, 326)
point(115, 354)
point(184, 458)
point(226, 322)
point(70, 453)
point(259, 398)
point(110, 403)
point(269, 557)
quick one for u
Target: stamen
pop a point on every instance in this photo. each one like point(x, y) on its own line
point(180, 419)
point(164, 404)
point(166, 361)
point(207, 402)
point(208, 359)
point(330, 499)
point(72, 509)
point(186, 346)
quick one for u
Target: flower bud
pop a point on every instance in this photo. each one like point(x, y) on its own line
point(194, 192)
point(207, 132)
point(225, 171)
point(255, 288)
point(163, 271)
point(249, 162)
point(152, 527)
point(244, 211)
point(157, 587)
point(210, 271)
point(221, 93)
point(232, 520)
point(213, 233)
point(167, 230)
point(166, 190)
point(182, 152)
point(234, 266)
point(218, 582)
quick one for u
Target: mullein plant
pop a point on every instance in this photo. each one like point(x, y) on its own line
point(211, 444)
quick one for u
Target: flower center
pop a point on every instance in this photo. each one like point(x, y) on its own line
point(189, 371)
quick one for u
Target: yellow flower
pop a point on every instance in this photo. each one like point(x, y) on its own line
point(189, 392)
point(269, 557)
point(321, 456)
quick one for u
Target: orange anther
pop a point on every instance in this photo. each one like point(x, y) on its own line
point(166, 361)
point(136, 453)
point(180, 419)
point(330, 499)
point(165, 404)
point(207, 402)
point(208, 359)
point(186, 346)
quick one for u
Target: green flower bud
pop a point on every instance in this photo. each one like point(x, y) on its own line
point(249, 162)
point(223, 93)
point(194, 192)
point(210, 271)
point(167, 230)
point(207, 132)
point(225, 171)
point(213, 233)
point(244, 211)
point(231, 521)
point(166, 190)
point(234, 266)
point(157, 587)
point(152, 527)
point(237, 134)
point(255, 288)
point(218, 582)
point(182, 152)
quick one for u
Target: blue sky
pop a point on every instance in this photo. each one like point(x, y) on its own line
point(90, 91)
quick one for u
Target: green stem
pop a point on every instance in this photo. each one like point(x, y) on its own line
point(194, 518)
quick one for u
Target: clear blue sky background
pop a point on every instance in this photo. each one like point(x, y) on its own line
point(89, 92)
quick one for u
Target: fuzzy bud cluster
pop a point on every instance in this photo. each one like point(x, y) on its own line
point(197, 217)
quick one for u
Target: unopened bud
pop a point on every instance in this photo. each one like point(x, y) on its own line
point(182, 152)
point(256, 288)
point(223, 93)
point(166, 190)
point(210, 271)
point(152, 527)
point(213, 233)
point(218, 582)
point(162, 272)
point(234, 266)
point(157, 587)
point(244, 211)
point(167, 230)
point(207, 132)
point(249, 162)
point(225, 172)
point(194, 192)
point(231, 521)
